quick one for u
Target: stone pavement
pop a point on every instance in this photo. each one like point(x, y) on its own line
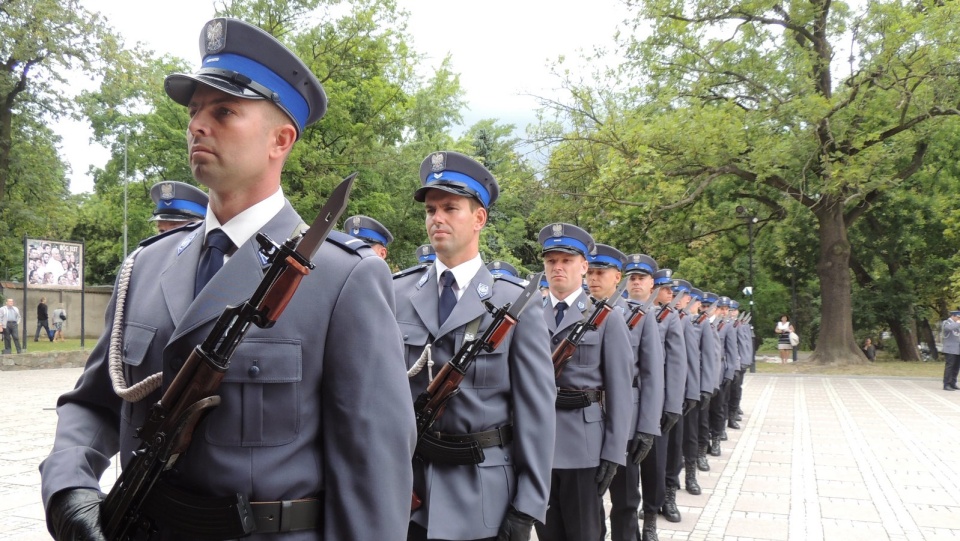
point(817, 458)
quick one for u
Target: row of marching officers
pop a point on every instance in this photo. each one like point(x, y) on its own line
point(627, 402)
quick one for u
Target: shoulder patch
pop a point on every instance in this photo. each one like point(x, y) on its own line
point(349, 244)
point(188, 227)
point(411, 270)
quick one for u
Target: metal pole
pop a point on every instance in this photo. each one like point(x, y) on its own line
point(793, 302)
point(753, 345)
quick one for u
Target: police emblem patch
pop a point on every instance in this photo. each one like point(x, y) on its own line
point(496, 265)
point(356, 222)
point(581, 306)
point(186, 242)
point(438, 161)
point(636, 258)
point(423, 280)
point(166, 191)
point(483, 289)
point(216, 38)
point(557, 230)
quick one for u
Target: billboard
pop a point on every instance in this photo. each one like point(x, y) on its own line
point(53, 264)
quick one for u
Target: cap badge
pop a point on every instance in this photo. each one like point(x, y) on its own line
point(557, 230)
point(496, 264)
point(636, 258)
point(216, 40)
point(438, 162)
point(483, 289)
point(166, 191)
point(356, 221)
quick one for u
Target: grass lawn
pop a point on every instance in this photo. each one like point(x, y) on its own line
point(44, 346)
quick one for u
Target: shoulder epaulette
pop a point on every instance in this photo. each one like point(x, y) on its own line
point(349, 243)
point(510, 279)
point(411, 270)
point(187, 227)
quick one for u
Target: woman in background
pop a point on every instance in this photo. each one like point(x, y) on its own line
point(784, 328)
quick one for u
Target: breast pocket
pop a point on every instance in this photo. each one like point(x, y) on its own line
point(261, 395)
point(588, 352)
point(137, 339)
point(415, 337)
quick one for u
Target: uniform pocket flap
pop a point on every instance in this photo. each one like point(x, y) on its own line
point(414, 334)
point(593, 413)
point(590, 338)
point(264, 360)
point(136, 342)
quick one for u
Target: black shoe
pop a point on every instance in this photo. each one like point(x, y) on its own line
point(669, 509)
point(649, 531)
point(948, 388)
point(740, 412)
point(35, 340)
point(723, 435)
point(739, 417)
point(702, 463)
point(954, 387)
point(715, 447)
point(690, 481)
point(732, 423)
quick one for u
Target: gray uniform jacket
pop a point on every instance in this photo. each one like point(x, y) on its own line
point(647, 371)
point(513, 384)
point(950, 335)
point(675, 366)
point(710, 368)
point(312, 407)
point(602, 361)
point(691, 336)
point(745, 345)
point(731, 352)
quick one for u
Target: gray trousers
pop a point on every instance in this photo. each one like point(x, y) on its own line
point(12, 330)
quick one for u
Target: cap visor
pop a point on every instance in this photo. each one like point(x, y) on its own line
point(563, 249)
point(421, 194)
point(180, 87)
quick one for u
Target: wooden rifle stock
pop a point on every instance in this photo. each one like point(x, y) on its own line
point(564, 352)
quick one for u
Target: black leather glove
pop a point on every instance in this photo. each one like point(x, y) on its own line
point(667, 421)
point(705, 396)
point(74, 515)
point(639, 446)
point(689, 405)
point(605, 472)
point(516, 526)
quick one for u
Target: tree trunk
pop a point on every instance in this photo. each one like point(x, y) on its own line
point(906, 341)
point(926, 334)
point(835, 344)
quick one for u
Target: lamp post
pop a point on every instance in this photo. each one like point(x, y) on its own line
point(751, 219)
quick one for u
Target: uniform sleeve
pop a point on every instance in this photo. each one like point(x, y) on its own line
point(652, 386)
point(87, 427)
point(534, 394)
point(675, 349)
point(617, 358)
point(368, 424)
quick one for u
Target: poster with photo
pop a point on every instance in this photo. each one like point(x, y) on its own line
point(53, 264)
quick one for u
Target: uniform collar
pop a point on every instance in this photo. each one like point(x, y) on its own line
point(462, 273)
point(246, 224)
point(570, 300)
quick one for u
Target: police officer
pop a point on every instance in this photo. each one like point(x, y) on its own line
point(730, 361)
point(744, 334)
point(677, 446)
point(176, 204)
point(711, 373)
point(603, 276)
point(693, 333)
point(675, 377)
point(318, 434)
point(505, 403)
point(950, 335)
point(370, 231)
point(591, 439)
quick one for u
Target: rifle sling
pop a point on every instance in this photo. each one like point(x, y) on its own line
point(462, 449)
point(229, 517)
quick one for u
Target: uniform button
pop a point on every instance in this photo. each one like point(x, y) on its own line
point(406, 337)
point(506, 458)
point(254, 371)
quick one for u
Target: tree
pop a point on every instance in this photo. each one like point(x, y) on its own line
point(810, 101)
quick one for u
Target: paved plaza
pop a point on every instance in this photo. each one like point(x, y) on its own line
point(817, 458)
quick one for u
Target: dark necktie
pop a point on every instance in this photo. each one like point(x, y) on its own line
point(448, 299)
point(218, 244)
point(561, 310)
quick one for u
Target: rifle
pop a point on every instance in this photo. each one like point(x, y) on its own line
point(169, 427)
point(432, 402)
point(704, 315)
point(737, 322)
point(566, 349)
point(641, 309)
point(662, 314)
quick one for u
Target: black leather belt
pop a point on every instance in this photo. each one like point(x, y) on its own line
point(573, 399)
point(462, 449)
point(229, 517)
